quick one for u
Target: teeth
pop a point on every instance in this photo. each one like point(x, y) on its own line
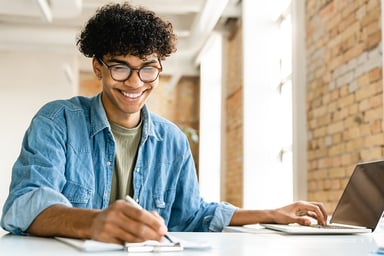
point(132, 95)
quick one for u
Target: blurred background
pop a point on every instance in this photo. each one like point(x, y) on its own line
point(280, 99)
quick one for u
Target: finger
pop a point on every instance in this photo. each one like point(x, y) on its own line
point(303, 221)
point(323, 210)
point(151, 219)
point(324, 215)
point(138, 231)
point(154, 213)
point(301, 212)
point(119, 236)
point(313, 210)
point(143, 224)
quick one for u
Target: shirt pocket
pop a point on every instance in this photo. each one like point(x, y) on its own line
point(77, 194)
point(162, 202)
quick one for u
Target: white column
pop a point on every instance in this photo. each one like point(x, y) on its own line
point(210, 119)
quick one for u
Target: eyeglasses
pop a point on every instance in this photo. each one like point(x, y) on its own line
point(122, 72)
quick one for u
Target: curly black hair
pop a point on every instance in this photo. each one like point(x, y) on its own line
point(121, 29)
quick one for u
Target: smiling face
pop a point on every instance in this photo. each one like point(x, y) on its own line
point(123, 100)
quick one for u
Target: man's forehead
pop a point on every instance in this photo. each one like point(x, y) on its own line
point(152, 57)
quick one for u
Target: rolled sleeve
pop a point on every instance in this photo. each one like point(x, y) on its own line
point(27, 207)
point(222, 216)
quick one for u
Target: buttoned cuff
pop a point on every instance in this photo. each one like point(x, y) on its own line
point(222, 216)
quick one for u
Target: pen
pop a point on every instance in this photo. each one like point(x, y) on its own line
point(134, 203)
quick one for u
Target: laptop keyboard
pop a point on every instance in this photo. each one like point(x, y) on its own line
point(328, 226)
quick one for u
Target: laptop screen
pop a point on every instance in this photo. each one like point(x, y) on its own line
point(362, 202)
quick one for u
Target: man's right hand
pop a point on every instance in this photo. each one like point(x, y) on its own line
point(122, 222)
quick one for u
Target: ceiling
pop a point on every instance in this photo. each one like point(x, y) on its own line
point(54, 25)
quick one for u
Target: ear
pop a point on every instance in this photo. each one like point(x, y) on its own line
point(96, 68)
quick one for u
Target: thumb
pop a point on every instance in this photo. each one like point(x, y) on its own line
point(303, 221)
point(154, 213)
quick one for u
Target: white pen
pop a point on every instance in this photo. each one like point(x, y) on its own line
point(134, 203)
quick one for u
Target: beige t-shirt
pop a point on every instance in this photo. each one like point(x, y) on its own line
point(127, 143)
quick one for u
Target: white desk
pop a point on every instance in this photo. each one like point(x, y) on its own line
point(231, 244)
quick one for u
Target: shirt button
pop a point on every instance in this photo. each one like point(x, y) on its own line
point(108, 163)
point(138, 170)
point(137, 200)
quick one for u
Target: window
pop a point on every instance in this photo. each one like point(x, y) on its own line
point(268, 117)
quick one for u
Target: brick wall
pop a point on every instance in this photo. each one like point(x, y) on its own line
point(344, 92)
point(233, 82)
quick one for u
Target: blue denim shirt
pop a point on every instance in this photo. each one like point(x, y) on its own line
point(67, 158)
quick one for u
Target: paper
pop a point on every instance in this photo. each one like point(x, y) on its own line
point(252, 228)
point(191, 245)
point(153, 246)
point(147, 246)
point(90, 245)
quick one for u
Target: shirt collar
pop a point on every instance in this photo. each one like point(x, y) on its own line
point(99, 120)
point(148, 126)
point(98, 117)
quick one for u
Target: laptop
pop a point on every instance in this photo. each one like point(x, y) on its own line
point(359, 209)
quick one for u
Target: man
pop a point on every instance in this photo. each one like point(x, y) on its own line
point(81, 157)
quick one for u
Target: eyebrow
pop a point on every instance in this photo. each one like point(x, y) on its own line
point(154, 61)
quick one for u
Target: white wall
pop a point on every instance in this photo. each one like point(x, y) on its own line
point(210, 120)
point(28, 79)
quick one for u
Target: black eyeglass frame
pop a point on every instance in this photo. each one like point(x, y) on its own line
point(110, 67)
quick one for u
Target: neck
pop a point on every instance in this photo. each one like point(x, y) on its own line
point(124, 119)
point(128, 121)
